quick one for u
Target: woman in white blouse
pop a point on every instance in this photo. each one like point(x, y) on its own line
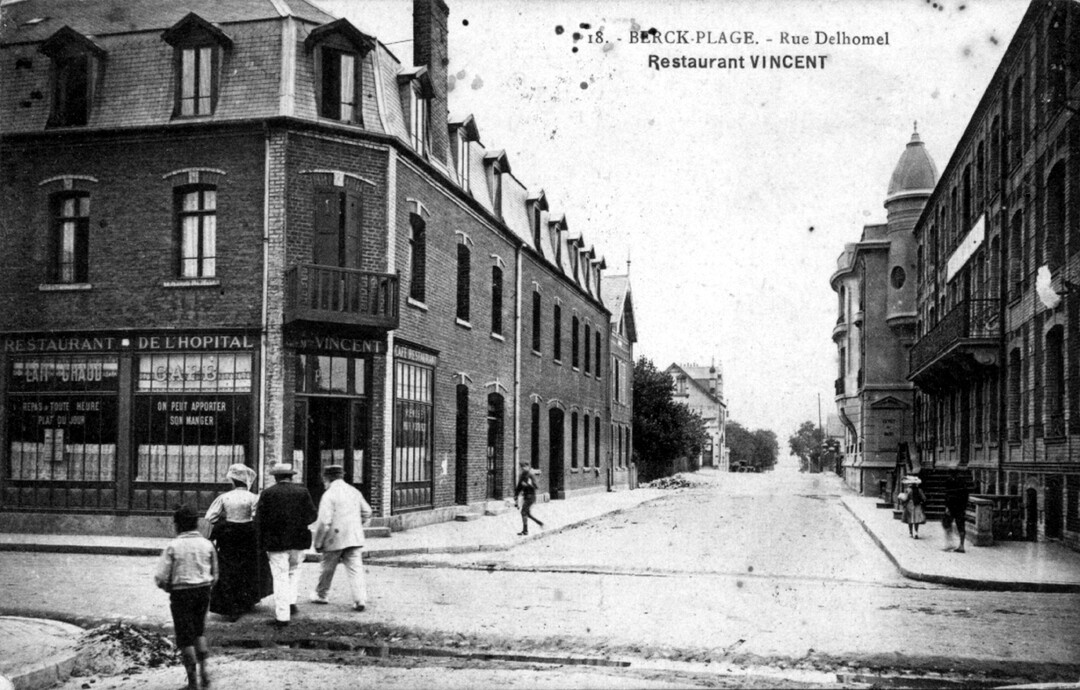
point(244, 578)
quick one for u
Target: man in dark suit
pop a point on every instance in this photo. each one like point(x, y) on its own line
point(284, 512)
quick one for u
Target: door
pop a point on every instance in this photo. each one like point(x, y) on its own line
point(461, 448)
point(555, 453)
point(1031, 510)
point(494, 446)
point(336, 435)
point(1054, 512)
point(337, 229)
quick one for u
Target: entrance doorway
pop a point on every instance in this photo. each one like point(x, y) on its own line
point(336, 434)
point(555, 453)
point(494, 446)
point(1054, 508)
point(1031, 512)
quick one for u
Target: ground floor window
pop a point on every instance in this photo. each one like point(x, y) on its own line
point(62, 418)
point(191, 417)
point(413, 433)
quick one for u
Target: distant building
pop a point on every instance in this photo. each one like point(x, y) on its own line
point(702, 390)
point(875, 288)
point(617, 297)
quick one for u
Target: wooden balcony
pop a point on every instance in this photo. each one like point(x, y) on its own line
point(964, 343)
point(328, 294)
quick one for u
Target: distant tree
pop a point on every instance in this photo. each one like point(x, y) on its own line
point(756, 449)
point(664, 430)
point(806, 444)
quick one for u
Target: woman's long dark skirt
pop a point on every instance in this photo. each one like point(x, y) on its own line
point(244, 576)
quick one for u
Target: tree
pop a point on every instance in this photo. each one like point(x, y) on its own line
point(754, 449)
point(806, 444)
point(664, 430)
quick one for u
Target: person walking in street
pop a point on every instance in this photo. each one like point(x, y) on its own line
point(245, 575)
point(956, 500)
point(339, 535)
point(526, 488)
point(912, 501)
point(187, 570)
point(285, 512)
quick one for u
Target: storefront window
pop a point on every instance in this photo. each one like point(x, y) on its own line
point(412, 436)
point(62, 418)
point(192, 416)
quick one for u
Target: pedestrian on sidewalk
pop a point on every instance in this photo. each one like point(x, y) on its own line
point(245, 573)
point(285, 512)
point(187, 570)
point(912, 501)
point(339, 535)
point(956, 500)
point(526, 488)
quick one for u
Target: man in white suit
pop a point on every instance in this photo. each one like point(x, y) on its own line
point(339, 535)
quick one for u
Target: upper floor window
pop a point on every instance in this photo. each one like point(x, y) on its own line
point(418, 258)
point(75, 61)
point(536, 321)
point(588, 349)
point(419, 107)
point(598, 353)
point(197, 81)
point(196, 212)
point(338, 48)
point(496, 300)
point(497, 164)
point(464, 273)
point(556, 336)
point(198, 45)
point(574, 344)
point(463, 132)
point(70, 237)
point(462, 161)
point(337, 227)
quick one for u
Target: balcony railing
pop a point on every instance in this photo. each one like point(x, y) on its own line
point(341, 295)
point(974, 318)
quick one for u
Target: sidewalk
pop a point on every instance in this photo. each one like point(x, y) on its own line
point(488, 533)
point(1016, 566)
point(36, 653)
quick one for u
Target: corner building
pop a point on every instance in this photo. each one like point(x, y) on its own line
point(248, 232)
point(997, 361)
point(875, 329)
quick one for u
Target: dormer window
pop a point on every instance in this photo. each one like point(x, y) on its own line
point(198, 45)
point(537, 205)
point(463, 133)
point(462, 162)
point(419, 108)
point(75, 62)
point(337, 49)
point(497, 164)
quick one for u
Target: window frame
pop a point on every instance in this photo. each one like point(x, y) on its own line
point(79, 224)
point(202, 259)
point(496, 300)
point(200, 71)
point(417, 258)
point(327, 107)
point(464, 279)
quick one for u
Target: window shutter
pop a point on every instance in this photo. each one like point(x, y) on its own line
point(327, 224)
point(352, 230)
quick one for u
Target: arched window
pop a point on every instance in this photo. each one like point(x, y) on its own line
point(496, 300)
point(464, 275)
point(418, 258)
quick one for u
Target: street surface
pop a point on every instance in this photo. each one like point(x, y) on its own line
point(747, 580)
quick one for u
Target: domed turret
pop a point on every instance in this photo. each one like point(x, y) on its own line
point(915, 172)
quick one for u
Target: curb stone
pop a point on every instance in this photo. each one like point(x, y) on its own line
point(965, 582)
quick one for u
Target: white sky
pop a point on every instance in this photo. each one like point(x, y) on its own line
point(710, 180)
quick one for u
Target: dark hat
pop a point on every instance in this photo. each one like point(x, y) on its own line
point(333, 471)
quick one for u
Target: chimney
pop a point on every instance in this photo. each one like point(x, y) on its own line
point(430, 21)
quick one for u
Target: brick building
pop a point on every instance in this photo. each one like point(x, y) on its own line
point(247, 232)
point(702, 390)
point(997, 360)
point(875, 328)
point(618, 298)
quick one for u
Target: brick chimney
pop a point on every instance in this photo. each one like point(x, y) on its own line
point(430, 19)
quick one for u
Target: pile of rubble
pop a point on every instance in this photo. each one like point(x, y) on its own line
point(118, 648)
point(679, 481)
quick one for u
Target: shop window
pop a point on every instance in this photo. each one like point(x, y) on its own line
point(196, 213)
point(330, 375)
point(62, 418)
point(496, 300)
point(192, 416)
point(70, 237)
point(418, 258)
point(413, 435)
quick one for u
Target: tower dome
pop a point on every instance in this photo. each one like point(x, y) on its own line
point(915, 172)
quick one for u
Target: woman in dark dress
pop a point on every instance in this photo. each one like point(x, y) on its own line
point(245, 574)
